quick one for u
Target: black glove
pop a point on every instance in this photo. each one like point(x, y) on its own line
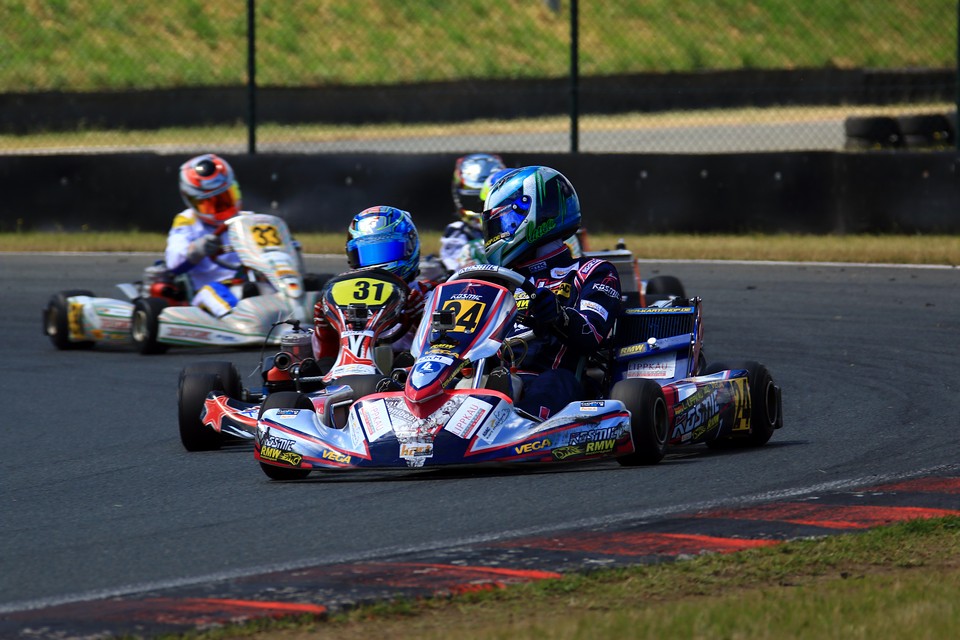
point(545, 311)
point(208, 245)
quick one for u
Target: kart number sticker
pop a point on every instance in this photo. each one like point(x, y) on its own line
point(466, 313)
point(265, 235)
point(367, 290)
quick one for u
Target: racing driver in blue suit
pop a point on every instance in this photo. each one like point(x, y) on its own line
point(527, 215)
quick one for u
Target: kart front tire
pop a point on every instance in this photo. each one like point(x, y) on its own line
point(191, 394)
point(284, 400)
point(649, 423)
point(56, 321)
point(766, 411)
point(145, 325)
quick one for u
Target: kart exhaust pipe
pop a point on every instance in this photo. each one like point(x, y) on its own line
point(283, 360)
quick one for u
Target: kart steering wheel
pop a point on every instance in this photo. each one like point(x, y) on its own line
point(216, 259)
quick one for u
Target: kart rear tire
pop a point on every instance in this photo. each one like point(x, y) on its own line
point(192, 391)
point(284, 400)
point(648, 419)
point(56, 321)
point(766, 413)
point(663, 288)
point(145, 325)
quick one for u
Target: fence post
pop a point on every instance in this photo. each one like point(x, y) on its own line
point(251, 77)
point(574, 78)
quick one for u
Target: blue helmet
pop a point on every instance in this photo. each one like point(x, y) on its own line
point(526, 209)
point(384, 237)
point(469, 175)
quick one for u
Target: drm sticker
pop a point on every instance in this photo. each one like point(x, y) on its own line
point(661, 366)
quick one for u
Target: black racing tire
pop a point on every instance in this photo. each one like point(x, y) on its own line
point(766, 411)
point(872, 132)
point(926, 131)
point(229, 376)
point(663, 288)
point(192, 391)
point(649, 422)
point(145, 325)
point(284, 400)
point(56, 321)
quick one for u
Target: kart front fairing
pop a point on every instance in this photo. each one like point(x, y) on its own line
point(432, 423)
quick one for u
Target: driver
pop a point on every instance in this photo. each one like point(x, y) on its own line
point(527, 215)
point(380, 237)
point(210, 191)
point(469, 174)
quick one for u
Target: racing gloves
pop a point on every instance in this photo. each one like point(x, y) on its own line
point(545, 312)
point(413, 309)
point(208, 245)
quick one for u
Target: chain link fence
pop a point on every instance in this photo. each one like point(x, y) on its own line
point(510, 76)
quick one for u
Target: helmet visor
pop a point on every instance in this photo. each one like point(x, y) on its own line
point(503, 221)
point(361, 253)
point(221, 206)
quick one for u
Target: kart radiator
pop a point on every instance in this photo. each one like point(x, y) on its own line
point(638, 325)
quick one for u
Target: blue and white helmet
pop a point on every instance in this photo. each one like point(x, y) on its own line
point(384, 237)
point(526, 209)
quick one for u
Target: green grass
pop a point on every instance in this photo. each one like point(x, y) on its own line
point(107, 45)
point(895, 582)
point(887, 249)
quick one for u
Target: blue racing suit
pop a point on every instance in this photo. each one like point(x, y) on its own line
point(587, 291)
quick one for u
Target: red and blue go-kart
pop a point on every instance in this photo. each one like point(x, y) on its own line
point(457, 403)
point(365, 307)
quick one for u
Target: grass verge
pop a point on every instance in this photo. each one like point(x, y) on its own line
point(899, 581)
point(885, 249)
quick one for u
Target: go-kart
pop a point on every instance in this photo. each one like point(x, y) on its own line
point(363, 306)
point(650, 388)
point(270, 283)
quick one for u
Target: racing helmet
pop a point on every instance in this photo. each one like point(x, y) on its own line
point(208, 186)
point(526, 209)
point(384, 237)
point(469, 175)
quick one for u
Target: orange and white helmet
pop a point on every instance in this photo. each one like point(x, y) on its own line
point(208, 186)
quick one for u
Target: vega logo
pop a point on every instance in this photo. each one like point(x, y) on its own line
point(530, 447)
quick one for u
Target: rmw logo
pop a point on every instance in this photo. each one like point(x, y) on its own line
point(530, 447)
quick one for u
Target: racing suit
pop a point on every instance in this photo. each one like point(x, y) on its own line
point(588, 302)
point(207, 277)
point(455, 239)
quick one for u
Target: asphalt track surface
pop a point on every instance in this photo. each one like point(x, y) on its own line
point(100, 500)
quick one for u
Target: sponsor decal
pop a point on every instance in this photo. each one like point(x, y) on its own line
point(700, 412)
point(661, 366)
point(592, 403)
point(560, 272)
point(586, 305)
point(535, 233)
point(336, 456)
point(184, 332)
point(466, 296)
point(643, 311)
point(282, 444)
point(537, 266)
point(600, 446)
point(606, 289)
point(565, 453)
point(416, 449)
point(278, 455)
point(632, 349)
point(444, 360)
point(530, 447)
point(468, 417)
point(75, 320)
point(114, 325)
point(497, 420)
point(595, 435)
point(375, 419)
point(287, 413)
